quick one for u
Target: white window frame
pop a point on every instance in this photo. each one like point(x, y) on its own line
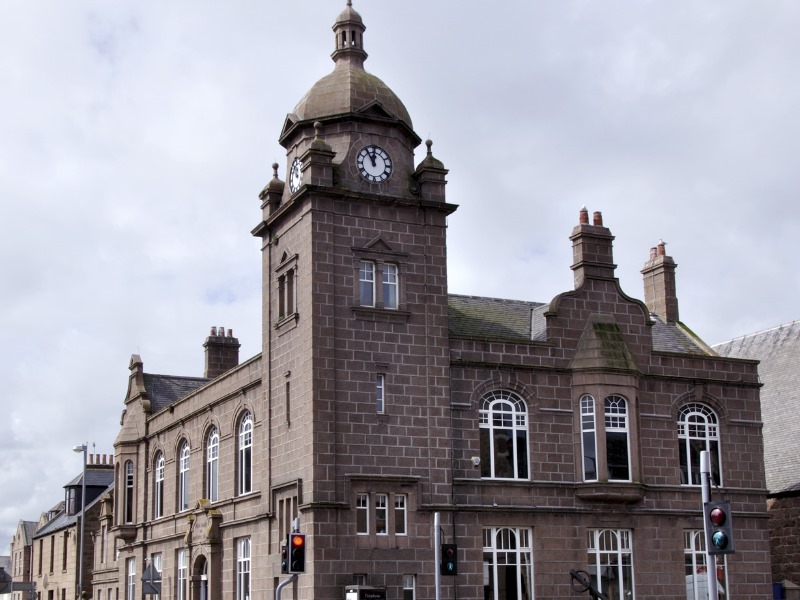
point(243, 569)
point(400, 514)
point(507, 548)
point(694, 553)
point(391, 287)
point(246, 454)
point(128, 514)
point(130, 579)
point(409, 587)
point(183, 476)
point(698, 423)
point(212, 465)
point(588, 438)
point(366, 283)
point(504, 429)
point(155, 560)
point(380, 393)
point(362, 514)
point(610, 554)
point(381, 514)
point(182, 576)
point(158, 486)
point(616, 414)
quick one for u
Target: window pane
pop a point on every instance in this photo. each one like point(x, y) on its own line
point(362, 523)
point(390, 286)
point(367, 284)
point(381, 514)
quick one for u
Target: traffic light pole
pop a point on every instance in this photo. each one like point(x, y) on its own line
point(283, 584)
point(437, 549)
point(711, 560)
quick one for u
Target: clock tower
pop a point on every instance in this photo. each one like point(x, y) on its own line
point(355, 355)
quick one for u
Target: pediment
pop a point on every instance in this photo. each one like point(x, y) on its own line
point(375, 109)
point(289, 122)
point(378, 244)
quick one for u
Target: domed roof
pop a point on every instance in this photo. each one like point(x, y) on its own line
point(349, 89)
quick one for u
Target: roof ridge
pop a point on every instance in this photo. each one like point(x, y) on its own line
point(754, 334)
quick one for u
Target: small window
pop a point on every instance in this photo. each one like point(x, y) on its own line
point(409, 587)
point(381, 514)
point(380, 381)
point(366, 278)
point(362, 514)
point(390, 286)
point(400, 515)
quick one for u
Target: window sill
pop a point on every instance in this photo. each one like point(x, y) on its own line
point(287, 323)
point(622, 493)
point(384, 315)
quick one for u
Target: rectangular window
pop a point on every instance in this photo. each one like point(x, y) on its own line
point(362, 514)
point(610, 562)
point(694, 553)
point(129, 489)
point(588, 440)
point(243, 569)
point(381, 514)
point(155, 560)
point(390, 286)
point(181, 576)
point(130, 587)
point(52, 552)
point(366, 278)
point(286, 294)
point(616, 421)
point(408, 587)
point(400, 515)
point(380, 381)
point(64, 548)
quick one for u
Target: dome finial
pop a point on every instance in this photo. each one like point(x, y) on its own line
point(349, 32)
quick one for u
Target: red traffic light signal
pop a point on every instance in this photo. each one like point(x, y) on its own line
point(297, 552)
point(719, 528)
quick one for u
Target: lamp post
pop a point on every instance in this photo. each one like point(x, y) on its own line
point(82, 448)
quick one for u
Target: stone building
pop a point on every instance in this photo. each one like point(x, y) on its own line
point(56, 545)
point(778, 352)
point(21, 550)
point(547, 436)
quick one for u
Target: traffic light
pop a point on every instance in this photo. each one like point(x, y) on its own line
point(285, 557)
point(449, 564)
point(719, 528)
point(297, 552)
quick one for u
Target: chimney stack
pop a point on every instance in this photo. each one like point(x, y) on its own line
point(592, 254)
point(222, 352)
point(660, 295)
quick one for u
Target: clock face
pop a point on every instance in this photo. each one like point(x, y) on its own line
point(295, 175)
point(374, 164)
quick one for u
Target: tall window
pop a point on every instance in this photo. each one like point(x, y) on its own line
point(381, 514)
point(380, 386)
point(243, 569)
point(694, 553)
point(362, 514)
point(617, 454)
point(246, 454)
point(507, 563)
point(286, 294)
point(504, 436)
point(698, 430)
point(389, 286)
point(400, 515)
point(366, 278)
point(128, 508)
point(130, 579)
point(212, 465)
point(181, 578)
point(156, 562)
point(158, 487)
point(588, 438)
point(610, 561)
point(183, 477)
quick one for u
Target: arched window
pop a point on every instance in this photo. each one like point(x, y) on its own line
point(129, 489)
point(158, 486)
point(183, 477)
point(504, 436)
point(617, 447)
point(698, 430)
point(212, 465)
point(507, 563)
point(246, 454)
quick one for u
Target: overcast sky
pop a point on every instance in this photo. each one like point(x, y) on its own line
point(135, 138)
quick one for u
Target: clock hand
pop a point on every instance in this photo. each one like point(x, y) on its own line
point(371, 154)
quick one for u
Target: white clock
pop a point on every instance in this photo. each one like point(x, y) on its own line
point(374, 163)
point(295, 175)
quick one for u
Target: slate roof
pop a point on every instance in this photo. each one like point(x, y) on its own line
point(94, 478)
point(63, 520)
point(163, 390)
point(778, 349)
point(475, 317)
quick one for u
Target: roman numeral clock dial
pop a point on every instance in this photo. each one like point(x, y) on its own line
point(374, 163)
